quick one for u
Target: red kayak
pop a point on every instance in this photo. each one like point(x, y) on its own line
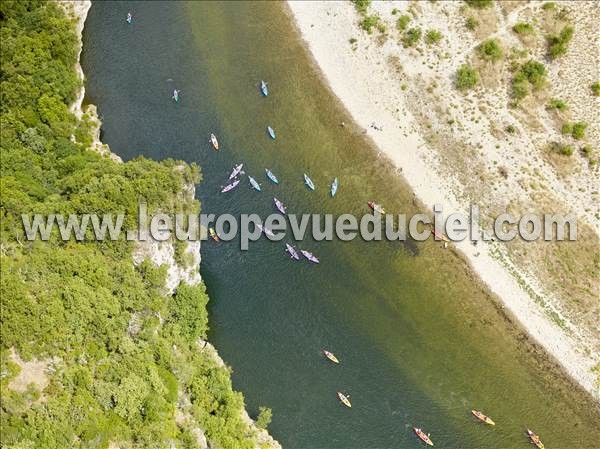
point(425, 438)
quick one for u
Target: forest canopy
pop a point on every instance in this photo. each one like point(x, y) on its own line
point(120, 355)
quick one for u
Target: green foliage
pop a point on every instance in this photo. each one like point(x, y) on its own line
point(264, 417)
point(479, 4)
point(510, 129)
point(596, 88)
point(411, 37)
point(567, 128)
point(579, 130)
point(548, 6)
point(433, 37)
point(110, 325)
point(558, 104)
point(466, 77)
point(402, 22)
point(362, 6)
point(557, 45)
point(523, 28)
point(471, 23)
point(566, 150)
point(531, 75)
point(490, 50)
point(369, 22)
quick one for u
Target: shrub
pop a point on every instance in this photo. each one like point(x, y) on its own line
point(510, 129)
point(534, 72)
point(466, 77)
point(411, 37)
point(560, 105)
point(586, 150)
point(369, 22)
point(520, 89)
point(433, 37)
point(596, 88)
point(490, 50)
point(352, 40)
point(471, 23)
point(557, 45)
point(548, 6)
point(566, 150)
point(523, 28)
point(479, 4)
point(567, 128)
point(579, 130)
point(362, 5)
point(264, 417)
point(402, 22)
point(394, 11)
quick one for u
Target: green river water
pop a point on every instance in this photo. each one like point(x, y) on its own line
point(420, 340)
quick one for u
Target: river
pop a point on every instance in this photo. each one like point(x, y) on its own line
point(420, 340)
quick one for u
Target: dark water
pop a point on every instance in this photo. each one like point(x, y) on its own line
point(421, 342)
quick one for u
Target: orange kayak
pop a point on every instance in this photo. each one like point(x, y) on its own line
point(423, 436)
point(483, 418)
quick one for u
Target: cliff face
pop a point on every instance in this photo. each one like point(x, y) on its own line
point(161, 254)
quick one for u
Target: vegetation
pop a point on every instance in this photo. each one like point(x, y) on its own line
point(559, 105)
point(548, 6)
point(472, 23)
point(566, 150)
point(369, 22)
point(107, 330)
point(433, 37)
point(567, 128)
point(362, 6)
point(531, 75)
point(479, 4)
point(411, 37)
point(490, 50)
point(264, 417)
point(466, 77)
point(558, 44)
point(579, 130)
point(596, 88)
point(523, 28)
point(402, 22)
point(510, 129)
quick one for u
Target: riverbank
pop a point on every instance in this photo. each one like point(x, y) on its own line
point(358, 71)
point(161, 254)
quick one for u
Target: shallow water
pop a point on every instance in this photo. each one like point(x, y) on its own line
point(421, 342)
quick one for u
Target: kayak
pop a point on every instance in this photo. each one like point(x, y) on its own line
point(483, 418)
point(231, 186)
point(213, 234)
point(310, 256)
point(263, 88)
point(271, 176)
point(175, 95)
point(438, 236)
point(236, 171)
point(267, 231)
point(291, 251)
point(334, 186)
point(129, 17)
point(309, 182)
point(255, 185)
point(271, 132)
point(535, 439)
point(376, 207)
point(279, 205)
point(423, 436)
point(344, 399)
point(330, 356)
point(214, 141)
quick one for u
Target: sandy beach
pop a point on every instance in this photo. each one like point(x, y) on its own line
point(358, 70)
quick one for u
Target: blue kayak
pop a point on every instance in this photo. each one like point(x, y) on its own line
point(271, 176)
point(271, 132)
point(255, 185)
point(308, 182)
point(263, 88)
point(334, 186)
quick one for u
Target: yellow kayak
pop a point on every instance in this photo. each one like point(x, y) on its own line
point(330, 356)
point(344, 399)
point(483, 418)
